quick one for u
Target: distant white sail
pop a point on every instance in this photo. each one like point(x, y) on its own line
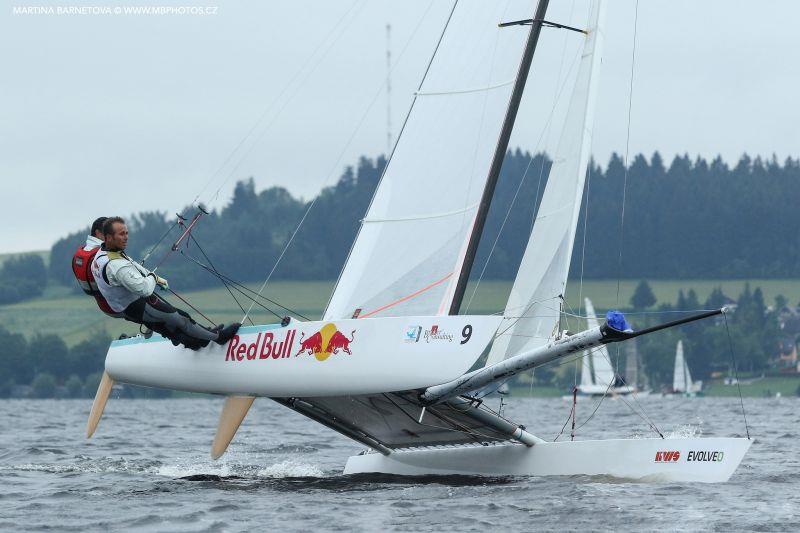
point(586, 371)
point(533, 308)
point(601, 362)
point(408, 254)
point(681, 378)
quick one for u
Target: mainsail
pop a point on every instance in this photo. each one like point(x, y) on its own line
point(408, 255)
point(533, 309)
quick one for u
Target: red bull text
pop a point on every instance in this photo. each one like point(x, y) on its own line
point(321, 345)
point(265, 346)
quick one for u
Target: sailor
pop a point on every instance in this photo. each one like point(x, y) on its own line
point(128, 287)
point(82, 266)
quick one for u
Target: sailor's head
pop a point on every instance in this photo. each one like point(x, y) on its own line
point(115, 234)
point(97, 228)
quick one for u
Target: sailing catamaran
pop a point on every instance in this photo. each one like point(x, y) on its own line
point(681, 377)
point(392, 364)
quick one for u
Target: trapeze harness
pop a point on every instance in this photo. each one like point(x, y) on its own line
point(82, 268)
point(151, 311)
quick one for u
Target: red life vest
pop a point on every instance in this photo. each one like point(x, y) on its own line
point(82, 268)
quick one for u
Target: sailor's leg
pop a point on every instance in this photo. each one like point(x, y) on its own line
point(176, 319)
point(135, 312)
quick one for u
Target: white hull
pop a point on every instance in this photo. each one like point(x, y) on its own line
point(324, 358)
point(621, 391)
point(708, 460)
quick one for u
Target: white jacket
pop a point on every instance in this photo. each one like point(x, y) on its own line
point(121, 280)
point(92, 242)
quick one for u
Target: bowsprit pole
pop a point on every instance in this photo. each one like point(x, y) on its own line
point(615, 329)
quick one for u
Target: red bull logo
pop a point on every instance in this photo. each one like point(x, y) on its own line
point(267, 345)
point(325, 342)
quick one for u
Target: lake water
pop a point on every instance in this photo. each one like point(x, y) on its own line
point(148, 468)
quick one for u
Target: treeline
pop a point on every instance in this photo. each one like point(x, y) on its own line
point(45, 362)
point(22, 277)
point(751, 330)
point(44, 367)
point(244, 238)
point(692, 219)
point(745, 341)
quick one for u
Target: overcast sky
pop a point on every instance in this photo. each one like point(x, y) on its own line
point(105, 114)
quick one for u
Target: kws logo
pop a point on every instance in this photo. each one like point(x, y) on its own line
point(668, 456)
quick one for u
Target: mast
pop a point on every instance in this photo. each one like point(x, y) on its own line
point(499, 155)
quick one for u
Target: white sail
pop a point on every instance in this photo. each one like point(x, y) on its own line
point(601, 362)
point(586, 371)
point(681, 378)
point(408, 254)
point(532, 311)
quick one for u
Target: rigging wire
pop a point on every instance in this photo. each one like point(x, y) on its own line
point(344, 149)
point(160, 240)
point(545, 131)
point(736, 374)
point(585, 217)
point(218, 276)
point(181, 298)
point(627, 149)
point(400, 133)
point(465, 219)
point(277, 99)
point(244, 290)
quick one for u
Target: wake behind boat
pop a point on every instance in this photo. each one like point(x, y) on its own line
point(392, 364)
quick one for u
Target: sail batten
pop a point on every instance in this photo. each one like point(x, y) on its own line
point(464, 91)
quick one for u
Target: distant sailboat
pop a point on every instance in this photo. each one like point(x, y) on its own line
point(681, 377)
point(597, 374)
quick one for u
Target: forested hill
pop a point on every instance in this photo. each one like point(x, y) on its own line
point(687, 219)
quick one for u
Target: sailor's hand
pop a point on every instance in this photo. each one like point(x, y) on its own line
point(161, 282)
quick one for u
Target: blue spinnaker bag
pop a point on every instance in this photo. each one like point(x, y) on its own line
point(616, 320)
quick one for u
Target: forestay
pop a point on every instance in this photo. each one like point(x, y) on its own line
point(532, 311)
point(408, 254)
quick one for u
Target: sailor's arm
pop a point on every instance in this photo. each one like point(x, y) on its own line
point(127, 275)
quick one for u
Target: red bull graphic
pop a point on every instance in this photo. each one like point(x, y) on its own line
point(325, 342)
point(338, 340)
point(266, 346)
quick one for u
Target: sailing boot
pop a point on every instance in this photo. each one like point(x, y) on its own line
point(227, 333)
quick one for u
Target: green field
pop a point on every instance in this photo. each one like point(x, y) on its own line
point(74, 316)
point(766, 387)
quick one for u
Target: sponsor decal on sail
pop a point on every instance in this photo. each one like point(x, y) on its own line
point(671, 456)
point(325, 342)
